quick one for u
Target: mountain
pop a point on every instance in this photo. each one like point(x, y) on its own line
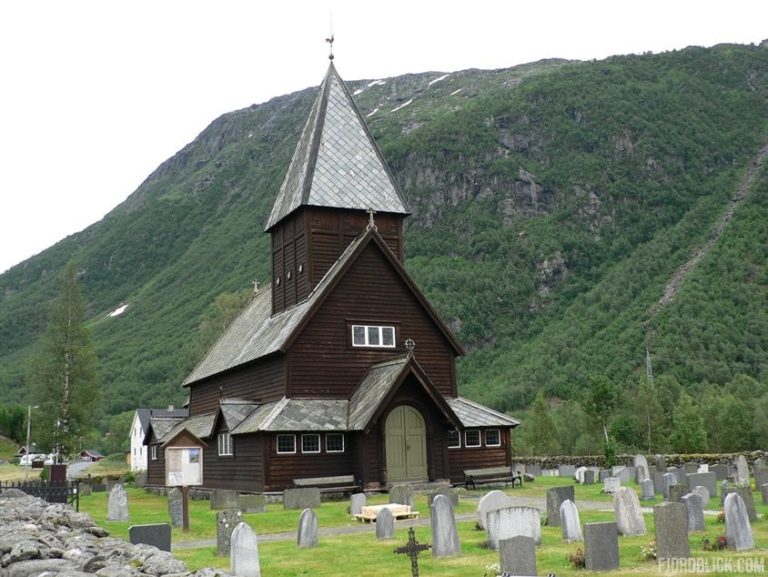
point(553, 205)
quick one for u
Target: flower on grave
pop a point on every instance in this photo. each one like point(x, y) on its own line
point(648, 552)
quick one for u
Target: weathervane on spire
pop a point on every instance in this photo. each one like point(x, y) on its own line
point(330, 41)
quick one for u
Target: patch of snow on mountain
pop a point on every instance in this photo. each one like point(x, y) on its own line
point(118, 311)
point(373, 83)
point(443, 77)
point(403, 105)
point(358, 91)
point(372, 112)
point(455, 92)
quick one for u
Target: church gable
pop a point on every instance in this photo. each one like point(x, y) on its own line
point(367, 316)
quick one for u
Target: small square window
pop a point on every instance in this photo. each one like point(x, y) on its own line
point(388, 336)
point(286, 444)
point(454, 439)
point(334, 442)
point(373, 336)
point(472, 438)
point(358, 336)
point(492, 438)
point(310, 443)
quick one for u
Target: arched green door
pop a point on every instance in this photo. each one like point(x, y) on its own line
point(406, 445)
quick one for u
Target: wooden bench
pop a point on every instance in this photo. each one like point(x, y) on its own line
point(474, 477)
point(338, 484)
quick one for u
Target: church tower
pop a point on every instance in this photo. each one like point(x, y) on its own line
point(337, 184)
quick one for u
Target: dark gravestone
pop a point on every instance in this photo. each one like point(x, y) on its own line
point(518, 555)
point(764, 492)
point(301, 498)
point(176, 507)
point(601, 546)
point(555, 497)
point(589, 477)
point(401, 494)
point(671, 530)
point(749, 502)
point(720, 471)
point(534, 470)
point(658, 483)
point(603, 474)
point(708, 480)
point(676, 493)
point(385, 524)
point(451, 494)
point(157, 535)
point(226, 521)
point(252, 503)
point(224, 499)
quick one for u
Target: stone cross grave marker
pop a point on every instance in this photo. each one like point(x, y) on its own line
point(308, 534)
point(244, 557)
point(445, 536)
point(117, 504)
point(412, 548)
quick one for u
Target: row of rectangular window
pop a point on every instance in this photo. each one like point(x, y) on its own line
point(310, 443)
point(473, 438)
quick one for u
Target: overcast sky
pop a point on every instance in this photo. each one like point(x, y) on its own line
point(94, 94)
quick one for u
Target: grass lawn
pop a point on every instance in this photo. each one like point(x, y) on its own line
point(363, 554)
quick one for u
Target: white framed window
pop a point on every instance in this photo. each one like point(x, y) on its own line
point(454, 439)
point(310, 443)
point(472, 438)
point(225, 444)
point(153, 452)
point(286, 444)
point(334, 442)
point(373, 336)
point(492, 438)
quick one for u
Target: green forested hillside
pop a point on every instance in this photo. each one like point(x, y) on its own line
point(551, 202)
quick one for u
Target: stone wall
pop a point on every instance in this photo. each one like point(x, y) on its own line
point(37, 538)
point(676, 460)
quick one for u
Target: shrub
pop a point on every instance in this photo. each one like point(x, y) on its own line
point(577, 559)
point(720, 543)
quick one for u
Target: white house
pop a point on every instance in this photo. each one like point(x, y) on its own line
point(139, 428)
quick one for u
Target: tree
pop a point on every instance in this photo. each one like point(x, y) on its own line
point(542, 434)
point(64, 380)
point(650, 415)
point(689, 435)
point(601, 400)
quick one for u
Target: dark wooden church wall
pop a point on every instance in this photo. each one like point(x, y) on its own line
point(156, 467)
point(322, 360)
point(262, 381)
point(289, 262)
point(478, 457)
point(243, 471)
point(283, 469)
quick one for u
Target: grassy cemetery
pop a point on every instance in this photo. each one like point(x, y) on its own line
point(347, 546)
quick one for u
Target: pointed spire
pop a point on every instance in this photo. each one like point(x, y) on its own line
point(336, 163)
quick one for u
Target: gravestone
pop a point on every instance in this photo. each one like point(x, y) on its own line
point(676, 493)
point(720, 471)
point(513, 521)
point(518, 555)
point(252, 503)
point(356, 503)
point(385, 524)
point(640, 474)
point(117, 504)
point(244, 555)
point(603, 474)
point(764, 493)
point(658, 483)
point(611, 485)
point(224, 499)
point(703, 494)
point(671, 530)
point(158, 535)
point(489, 502)
point(451, 494)
point(742, 470)
point(626, 509)
point(569, 521)
point(695, 512)
point(761, 477)
point(578, 474)
point(445, 536)
point(691, 467)
point(661, 463)
point(749, 501)
point(669, 480)
point(647, 491)
point(555, 496)
point(401, 494)
point(534, 470)
point(640, 461)
point(176, 507)
point(589, 477)
point(112, 483)
point(738, 531)
point(226, 521)
point(708, 480)
point(301, 498)
point(567, 470)
point(626, 475)
point(306, 538)
point(703, 468)
point(601, 546)
point(85, 489)
point(412, 549)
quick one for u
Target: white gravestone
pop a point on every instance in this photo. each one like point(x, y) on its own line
point(244, 552)
point(569, 521)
